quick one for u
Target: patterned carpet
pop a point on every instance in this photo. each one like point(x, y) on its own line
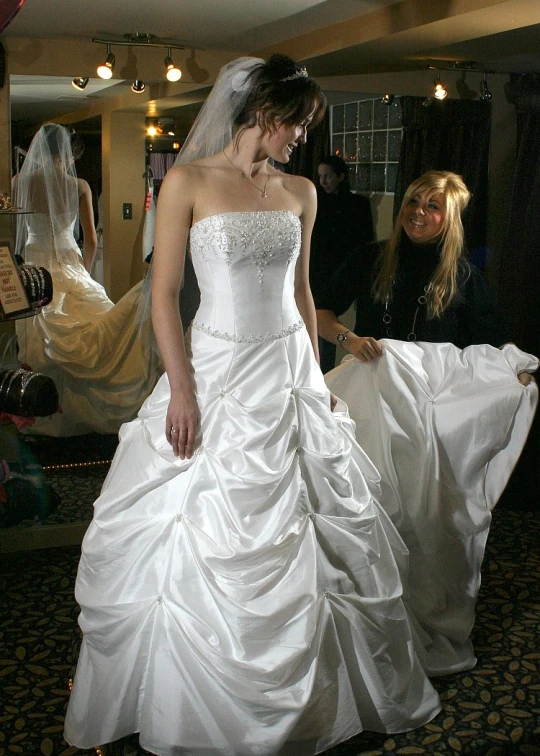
point(492, 711)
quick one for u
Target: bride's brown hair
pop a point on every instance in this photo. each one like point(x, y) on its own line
point(281, 93)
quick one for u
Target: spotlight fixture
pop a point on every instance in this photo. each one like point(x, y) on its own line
point(80, 82)
point(387, 99)
point(439, 92)
point(139, 39)
point(138, 86)
point(105, 70)
point(485, 94)
point(172, 72)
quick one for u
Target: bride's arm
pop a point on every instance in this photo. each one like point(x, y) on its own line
point(86, 219)
point(173, 220)
point(305, 191)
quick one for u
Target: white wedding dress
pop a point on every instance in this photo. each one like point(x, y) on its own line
point(248, 601)
point(92, 348)
point(444, 427)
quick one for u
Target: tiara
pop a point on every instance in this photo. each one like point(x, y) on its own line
point(298, 74)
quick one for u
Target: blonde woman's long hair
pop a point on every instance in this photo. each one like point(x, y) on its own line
point(444, 281)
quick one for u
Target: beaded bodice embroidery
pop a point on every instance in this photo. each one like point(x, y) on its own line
point(244, 263)
point(260, 236)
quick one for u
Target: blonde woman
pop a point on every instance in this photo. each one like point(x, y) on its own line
point(418, 286)
point(444, 422)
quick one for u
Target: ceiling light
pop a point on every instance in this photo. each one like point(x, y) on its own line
point(485, 94)
point(80, 83)
point(439, 92)
point(172, 72)
point(138, 86)
point(153, 127)
point(105, 70)
point(387, 99)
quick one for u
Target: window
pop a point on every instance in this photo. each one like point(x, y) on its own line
point(367, 135)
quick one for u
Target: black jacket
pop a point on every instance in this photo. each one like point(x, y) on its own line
point(343, 221)
point(471, 318)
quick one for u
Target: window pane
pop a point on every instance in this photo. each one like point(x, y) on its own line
point(378, 177)
point(394, 145)
point(364, 145)
point(350, 147)
point(380, 115)
point(337, 144)
point(353, 176)
point(338, 118)
point(391, 177)
point(379, 145)
point(394, 114)
point(365, 109)
point(351, 116)
point(363, 181)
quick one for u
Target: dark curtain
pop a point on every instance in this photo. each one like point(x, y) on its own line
point(306, 158)
point(449, 135)
point(519, 282)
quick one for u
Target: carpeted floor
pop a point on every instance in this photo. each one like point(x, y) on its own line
point(492, 711)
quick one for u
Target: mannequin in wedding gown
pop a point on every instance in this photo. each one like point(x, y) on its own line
point(92, 348)
point(241, 589)
point(443, 416)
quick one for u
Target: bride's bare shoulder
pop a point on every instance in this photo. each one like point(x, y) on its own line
point(191, 174)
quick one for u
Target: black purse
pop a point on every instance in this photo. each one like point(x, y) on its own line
point(27, 394)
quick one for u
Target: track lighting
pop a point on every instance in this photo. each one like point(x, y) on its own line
point(172, 72)
point(439, 92)
point(80, 82)
point(485, 94)
point(105, 70)
point(138, 86)
point(387, 99)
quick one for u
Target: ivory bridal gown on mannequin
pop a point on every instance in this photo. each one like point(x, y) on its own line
point(247, 601)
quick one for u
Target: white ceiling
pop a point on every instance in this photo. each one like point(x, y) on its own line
point(500, 34)
point(234, 24)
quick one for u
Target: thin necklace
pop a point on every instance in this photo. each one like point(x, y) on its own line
point(263, 190)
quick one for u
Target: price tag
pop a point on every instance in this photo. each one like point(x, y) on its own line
point(13, 297)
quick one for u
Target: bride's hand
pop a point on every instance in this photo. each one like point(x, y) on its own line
point(182, 423)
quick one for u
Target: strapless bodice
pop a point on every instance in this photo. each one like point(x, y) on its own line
point(244, 263)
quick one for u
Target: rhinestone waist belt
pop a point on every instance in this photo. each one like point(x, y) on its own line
point(252, 338)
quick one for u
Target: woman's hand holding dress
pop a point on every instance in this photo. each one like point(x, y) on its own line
point(364, 348)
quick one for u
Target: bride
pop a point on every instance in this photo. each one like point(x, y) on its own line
point(240, 587)
point(91, 347)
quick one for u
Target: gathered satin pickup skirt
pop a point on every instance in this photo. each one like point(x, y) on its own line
point(248, 601)
point(444, 427)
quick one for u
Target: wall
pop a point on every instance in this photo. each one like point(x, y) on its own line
point(123, 163)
